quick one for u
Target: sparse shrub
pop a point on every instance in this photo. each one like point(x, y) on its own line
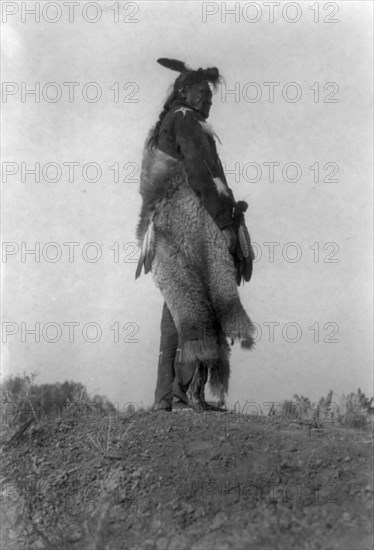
point(325, 410)
point(22, 399)
point(356, 410)
point(302, 409)
point(291, 411)
point(19, 397)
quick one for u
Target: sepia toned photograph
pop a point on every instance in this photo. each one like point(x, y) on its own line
point(187, 275)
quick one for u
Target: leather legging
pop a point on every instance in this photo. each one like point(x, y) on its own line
point(174, 376)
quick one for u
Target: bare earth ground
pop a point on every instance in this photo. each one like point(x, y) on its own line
point(186, 480)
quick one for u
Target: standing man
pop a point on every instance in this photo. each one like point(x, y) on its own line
point(183, 133)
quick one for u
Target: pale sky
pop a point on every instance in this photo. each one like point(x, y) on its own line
point(328, 128)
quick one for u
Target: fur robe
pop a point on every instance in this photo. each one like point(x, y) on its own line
point(192, 266)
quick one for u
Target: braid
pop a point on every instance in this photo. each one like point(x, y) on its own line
point(152, 142)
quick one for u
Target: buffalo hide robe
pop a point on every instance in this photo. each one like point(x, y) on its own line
point(192, 266)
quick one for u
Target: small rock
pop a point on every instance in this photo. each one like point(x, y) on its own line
point(346, 516)
point(156, 524)
point(347, 459)
point(368, 489)
point(186, 507)
point(137, 472)
point(218, 520)
point(75, 536)
point(37, 545)
point(199, 512)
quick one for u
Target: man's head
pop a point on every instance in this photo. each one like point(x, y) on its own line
point(194, 87)
point(199, 96)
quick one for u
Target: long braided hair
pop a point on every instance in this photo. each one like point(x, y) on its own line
point(153, 139)
point(187, 78)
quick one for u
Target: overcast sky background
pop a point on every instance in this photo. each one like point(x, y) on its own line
point(305, 132)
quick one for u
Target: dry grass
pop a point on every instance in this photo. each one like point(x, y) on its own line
point(352, 411)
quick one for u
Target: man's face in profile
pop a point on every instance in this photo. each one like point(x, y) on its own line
point(200, 96)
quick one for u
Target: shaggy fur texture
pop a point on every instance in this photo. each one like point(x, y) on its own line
point(192, 267)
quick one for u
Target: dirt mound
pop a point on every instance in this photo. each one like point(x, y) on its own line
point(186, 481)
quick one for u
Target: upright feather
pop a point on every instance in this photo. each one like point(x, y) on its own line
point(173, 64)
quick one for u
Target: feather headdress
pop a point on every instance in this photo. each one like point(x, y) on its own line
point(190, 76)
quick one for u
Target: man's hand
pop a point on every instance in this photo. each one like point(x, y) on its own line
point(231, 238)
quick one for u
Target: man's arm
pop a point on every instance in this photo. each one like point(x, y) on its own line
point(203, 167)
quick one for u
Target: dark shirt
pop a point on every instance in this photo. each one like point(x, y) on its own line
point(182, 136)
